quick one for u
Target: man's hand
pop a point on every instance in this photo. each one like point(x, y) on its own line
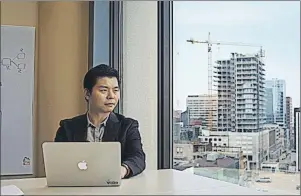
point(123, 172)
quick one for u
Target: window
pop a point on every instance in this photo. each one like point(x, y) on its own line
point(106, 37)
point(231, 91)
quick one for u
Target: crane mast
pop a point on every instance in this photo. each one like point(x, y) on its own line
point(210, 101)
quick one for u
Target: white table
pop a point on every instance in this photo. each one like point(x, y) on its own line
point(156, 182)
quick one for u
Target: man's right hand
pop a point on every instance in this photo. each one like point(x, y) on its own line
point(123, 172)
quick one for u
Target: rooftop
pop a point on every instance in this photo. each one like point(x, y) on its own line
point(280, 182)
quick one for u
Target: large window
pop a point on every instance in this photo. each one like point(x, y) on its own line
point(105, 40)
point(236, 76)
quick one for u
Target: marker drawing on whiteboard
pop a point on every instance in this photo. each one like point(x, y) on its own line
point(26, 161)
point(9, 62)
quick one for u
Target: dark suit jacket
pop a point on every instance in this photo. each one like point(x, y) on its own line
point(118, 128)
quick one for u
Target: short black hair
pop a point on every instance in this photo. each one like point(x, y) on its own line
point(97, 72)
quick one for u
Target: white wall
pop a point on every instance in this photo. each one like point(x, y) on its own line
point(140, 72)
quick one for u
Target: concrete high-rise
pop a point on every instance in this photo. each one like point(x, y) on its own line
point(241, 94)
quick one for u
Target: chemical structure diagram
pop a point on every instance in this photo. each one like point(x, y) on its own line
point(9, 62)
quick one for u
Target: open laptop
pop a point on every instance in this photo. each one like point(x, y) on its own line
point(82, 163)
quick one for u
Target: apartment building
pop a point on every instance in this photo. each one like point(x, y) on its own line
point(241, 95)
point(203, 108)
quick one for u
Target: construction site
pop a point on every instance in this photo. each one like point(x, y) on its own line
point(236, 95)
point(224, 134)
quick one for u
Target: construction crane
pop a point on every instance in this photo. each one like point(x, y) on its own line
point(209, 45)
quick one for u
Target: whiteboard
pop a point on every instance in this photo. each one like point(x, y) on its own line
point(17, 92)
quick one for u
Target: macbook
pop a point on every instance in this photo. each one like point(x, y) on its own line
point(82, 163)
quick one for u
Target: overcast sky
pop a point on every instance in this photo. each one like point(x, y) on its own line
point(274, 25)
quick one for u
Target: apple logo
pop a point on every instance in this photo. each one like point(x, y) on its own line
point(82, 165)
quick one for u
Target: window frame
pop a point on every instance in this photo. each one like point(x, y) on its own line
point(165, 84)
point(112, 38)
point(165, 67)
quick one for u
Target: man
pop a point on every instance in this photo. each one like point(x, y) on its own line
point(101, 124)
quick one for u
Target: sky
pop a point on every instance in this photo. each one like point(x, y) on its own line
point(274, 25)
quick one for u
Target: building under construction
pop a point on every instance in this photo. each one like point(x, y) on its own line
point(240, 85)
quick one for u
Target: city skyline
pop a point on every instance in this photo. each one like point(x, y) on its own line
point(276, 29)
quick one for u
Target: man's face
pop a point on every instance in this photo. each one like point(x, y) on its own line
point(104, 95)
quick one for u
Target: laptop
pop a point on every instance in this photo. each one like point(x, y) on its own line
point(80, 164)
